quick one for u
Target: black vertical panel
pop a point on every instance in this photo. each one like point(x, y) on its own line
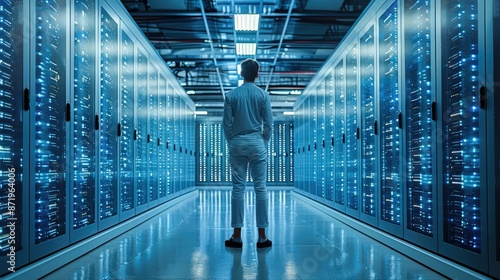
point(419, 140)
point(351, 128)
point(83, 149)
point(11, 125)
point(49, 137)
point(141, 144)
point(127, 192)
point(339, 130)
point(461, 127)
point(368, 175)
point(108, 117)
point(389, 108)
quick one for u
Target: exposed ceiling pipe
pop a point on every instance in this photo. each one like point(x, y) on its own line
point(261, 10)
point(212, 47)
point(234, 36)
point(292, 3)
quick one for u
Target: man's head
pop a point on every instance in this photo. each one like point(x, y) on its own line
point(250, 69)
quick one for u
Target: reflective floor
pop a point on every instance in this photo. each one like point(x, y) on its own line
point(187, 242)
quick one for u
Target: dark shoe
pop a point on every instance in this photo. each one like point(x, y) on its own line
point(233, 244)
point(265, 244)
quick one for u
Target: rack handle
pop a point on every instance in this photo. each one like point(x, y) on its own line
point(26, 100)
point(68, 112)
point(159, 141)
point(375, 128)
point(357, 133)
point(333, 141)
point(482, 97)
point(96, 122)
point(434, 111)
point(400, 120)
point(343, 138)
point(119, 130)
point(149, 138)
point(135, 134)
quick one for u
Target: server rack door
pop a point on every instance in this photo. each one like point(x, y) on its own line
point(153, 134)
point(183, 145)
point(282, 153)
point(14, 141)
point(463, 224)
point(320, 141)
point(227, 163)
point(126, 127)
point(162, 136)
point(201, 154)
point(108, 119)
point(330, 139)
point(420, 193)
point(83, 143)
point(308, 139)
point(48, 128)
point(390, 175)
point(271, 158)
point(313, 179)
point(141, 131)
point(175, 142)
point(352, 132)
point(169, 135)
point(368, 162)
point(339, 132)
point(493, 108)
point(296, 154)
point(290, 156)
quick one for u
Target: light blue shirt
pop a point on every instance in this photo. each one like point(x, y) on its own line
point(247, 109)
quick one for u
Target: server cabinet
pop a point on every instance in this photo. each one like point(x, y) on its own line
point(330, 138)
point(368, 141)
point(339, 136)
point(83, 141)
point(141, 131)
point(492, 91)
point(48, 128)
point(462, 128)
point(226, 162)
point(390, 120)
point(271, 159)
point(420, 192)
point(152, 134)
point(108, 119)
point(352, 132)
point(168, 144)
point(162, 138)
point(284, 148)
point(13, 143)
point(202, 174)
point(175, 141)
point(126, 173)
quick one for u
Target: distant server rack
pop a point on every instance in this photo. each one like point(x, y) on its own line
point(398, 129)
point(95, 128)
point(213, 166)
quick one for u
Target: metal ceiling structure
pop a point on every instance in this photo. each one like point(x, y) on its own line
point(197, 40)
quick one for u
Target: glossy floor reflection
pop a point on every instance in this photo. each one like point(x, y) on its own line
point(187, 242)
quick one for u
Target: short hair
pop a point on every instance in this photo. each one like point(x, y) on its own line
point(249, 69)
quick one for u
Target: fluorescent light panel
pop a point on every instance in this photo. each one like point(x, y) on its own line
point(287, 113)
point(246, 48)
point(246, 22)
point(201, 113)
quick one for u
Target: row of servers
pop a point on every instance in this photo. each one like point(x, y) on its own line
point(94, 127)
point(398, 127)
point(212, 164)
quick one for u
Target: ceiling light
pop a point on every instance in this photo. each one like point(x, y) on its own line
point(190, 92)
point(246, 48)
point(201, 113)
point(246, 22)
point(295, 92)
point(288, 113)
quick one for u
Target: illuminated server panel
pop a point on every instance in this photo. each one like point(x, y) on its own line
point(462, 200)
point(329, 138)
point(108, 117)
point(320, 143)
point(420, 155)
point(126, 175)
point(202, 152)
point(368, 175)
point(175, 142)
point(215, 136)
point(271, 158)
point(168, 139)
point(141, 130)
point(339, 134)
point(12, 161)
point(162, 136)
point(48, 141)
point(351, 129)
point(153, 132)
point(83, 162)
point(390, 196)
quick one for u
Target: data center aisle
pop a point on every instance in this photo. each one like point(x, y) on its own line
point(187, 242)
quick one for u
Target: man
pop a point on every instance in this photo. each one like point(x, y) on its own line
point(247, 122)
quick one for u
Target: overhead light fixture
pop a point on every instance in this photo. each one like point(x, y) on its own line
point(246, 48)
point(288, 113)
point(295, 92)
point(246, 22)
point(200, 112)
point(190, 92)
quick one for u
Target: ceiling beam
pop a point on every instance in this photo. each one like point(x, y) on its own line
point(211, 45)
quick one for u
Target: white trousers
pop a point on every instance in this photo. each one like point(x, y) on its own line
point(248, 151)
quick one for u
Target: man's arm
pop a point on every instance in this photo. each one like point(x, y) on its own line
point(227, 120)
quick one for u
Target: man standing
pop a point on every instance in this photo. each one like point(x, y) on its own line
point(247, 122)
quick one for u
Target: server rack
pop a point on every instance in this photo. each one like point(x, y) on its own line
point(427, 158)
point(83, 220)
point(80, 160)
point(162, 138)
point(153, 135)
point(14, 145)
